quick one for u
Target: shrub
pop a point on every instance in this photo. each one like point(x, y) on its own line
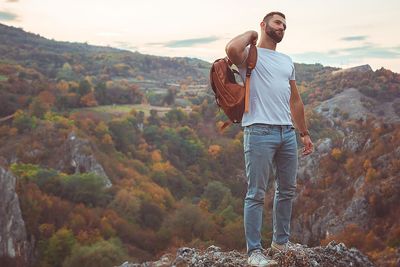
point(101, 254)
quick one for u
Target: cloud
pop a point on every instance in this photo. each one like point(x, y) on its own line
point(7, 16)
point(354, 38)
point(188, 42)
point(371, 51)
point(345, 56)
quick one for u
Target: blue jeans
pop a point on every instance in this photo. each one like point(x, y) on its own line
point(269, 150)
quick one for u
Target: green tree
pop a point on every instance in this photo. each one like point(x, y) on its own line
point(176, 117)
point(154, 119)
point(84, 88)
point(87, 188)
point(175, 182)
point(38, 108)
point(101, 254)
point(229, 214)
point(150, 215)
point(169, 99)
point(215, 192)
point(126, 203)
point(58, 247)
point(125, 134)
point(66, 72)
point(100, 92)
point(190, 222)
point(24, 122)
point(182, 146)
point(153, 134)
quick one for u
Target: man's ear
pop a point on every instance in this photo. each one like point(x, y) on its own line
point(263, 25)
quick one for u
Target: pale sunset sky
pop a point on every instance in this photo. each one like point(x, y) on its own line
point(340, 33)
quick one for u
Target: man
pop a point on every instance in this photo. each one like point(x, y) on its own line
point(270, 144)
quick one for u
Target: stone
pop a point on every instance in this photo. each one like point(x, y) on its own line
point(80, 158)
point(13, 236)
point(333, 254)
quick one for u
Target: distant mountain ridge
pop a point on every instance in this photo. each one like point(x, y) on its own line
point(49, 56)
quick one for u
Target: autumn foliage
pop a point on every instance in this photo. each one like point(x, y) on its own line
point(177, 180)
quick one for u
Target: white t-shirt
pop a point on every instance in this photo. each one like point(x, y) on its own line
point(269, 89)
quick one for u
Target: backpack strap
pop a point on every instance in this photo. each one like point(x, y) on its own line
point(251, 64)
point(226, 124)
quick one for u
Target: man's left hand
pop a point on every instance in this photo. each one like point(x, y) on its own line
point(308, 145)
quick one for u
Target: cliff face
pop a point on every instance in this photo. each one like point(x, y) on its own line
point(328, 219)
point(297, 256)
point(50, 149)
point(71, 154)
point(13, 237)
point(79, 156)
point(337, 196)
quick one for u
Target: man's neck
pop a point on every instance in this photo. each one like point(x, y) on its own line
point(267, 43)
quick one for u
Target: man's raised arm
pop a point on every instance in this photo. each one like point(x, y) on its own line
point(235, 49)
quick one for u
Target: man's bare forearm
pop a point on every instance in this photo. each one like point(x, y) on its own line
point(235, 49)
point(297, 110)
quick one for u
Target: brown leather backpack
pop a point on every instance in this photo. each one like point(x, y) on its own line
point(231, 96)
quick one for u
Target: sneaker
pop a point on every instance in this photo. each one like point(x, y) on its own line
point(258, 259)
point(276, 248)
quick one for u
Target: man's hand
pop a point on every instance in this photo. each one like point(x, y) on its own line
point(308, 145)
point(235, 49)
point(253, 37)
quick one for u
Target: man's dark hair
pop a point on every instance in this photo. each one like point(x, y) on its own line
point(271, 14)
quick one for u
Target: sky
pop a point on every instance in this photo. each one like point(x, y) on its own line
point(340, 33)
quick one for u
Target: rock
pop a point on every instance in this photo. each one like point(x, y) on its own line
point(357, 212)
point(397, 152)
point(80, 157)
point(358, 184)
point(353, 142)
point(324, 146)
point(325, 221)
point(296, 256)
point(347, 102)
point(352, 104)
point(13, 236)
point(361, 68)
point(367, 145)
point(127, 264)
point(382, 162)
point(309, 166)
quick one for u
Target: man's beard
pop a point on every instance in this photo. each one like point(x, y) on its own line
point(272, 33)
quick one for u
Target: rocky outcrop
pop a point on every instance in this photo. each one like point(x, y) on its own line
point(13, 236)
point(353, 141)
point(347, 102)
point(352, 104)
point(296, 256)
point(347, 201)
point(362, 68)
point(70, 154)
point(80, 157)
point(326, 221)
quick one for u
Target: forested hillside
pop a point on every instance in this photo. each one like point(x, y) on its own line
point(104, 187)
point(80, 75)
